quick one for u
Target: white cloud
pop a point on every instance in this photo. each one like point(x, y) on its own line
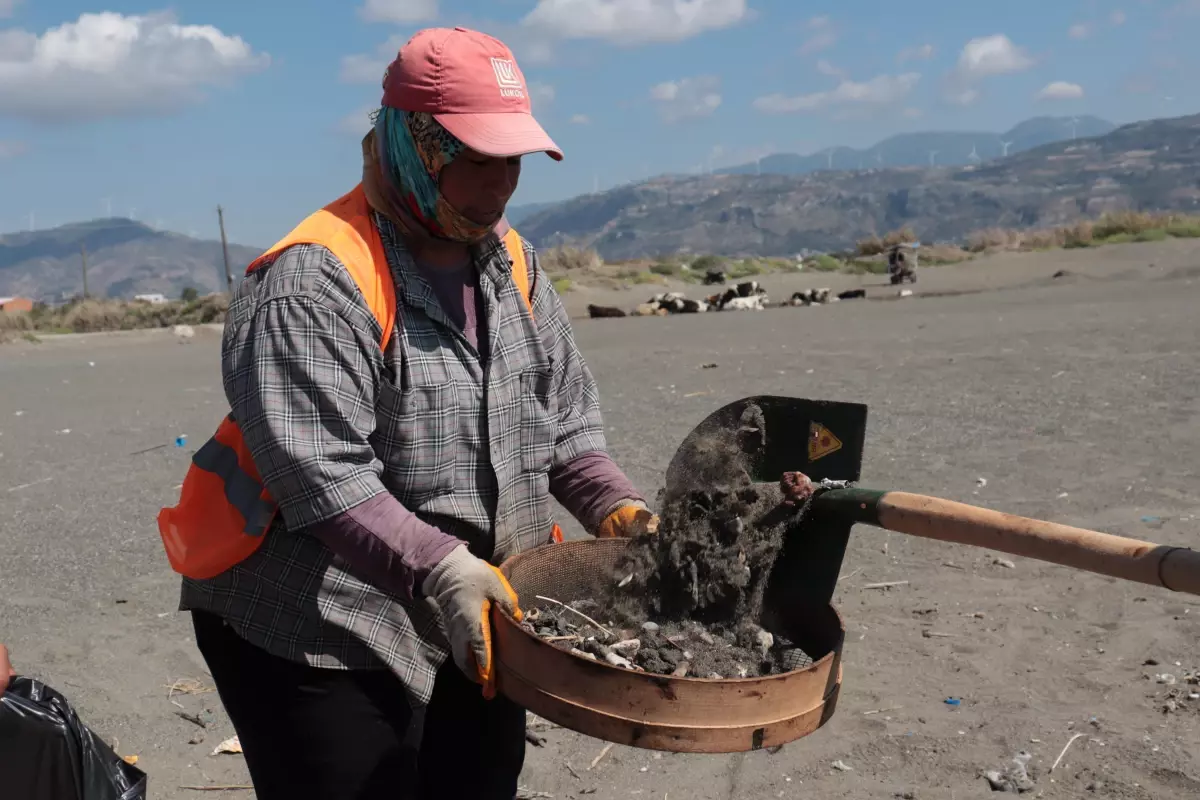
point(1080, 30)
point(399, 11)
point(688, 98)
point(1060, 90)
point(108, 65)
point(986, 56)
point(912, 113)
point(983, 57)
point(634, 22)
point(580, 119)
point(7, 7)
point(1117, 17)
point(922, 53)
point(369, 67)
point(821, 36)
point(880, 91)
point(540, 94)
point(11, 148)
point(826, 68)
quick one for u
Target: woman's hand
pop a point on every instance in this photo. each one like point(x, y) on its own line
point(627, 521)
point(464, 588)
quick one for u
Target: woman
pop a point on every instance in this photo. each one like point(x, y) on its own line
point(396, 474)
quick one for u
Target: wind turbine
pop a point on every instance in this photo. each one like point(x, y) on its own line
point(1074, 126)
point(933, 157)
point(107, 207)
point(974, 154)
point(879, 157)
point(1006, 145)
point(829, 157)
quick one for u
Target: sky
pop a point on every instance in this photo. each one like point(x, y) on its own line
point(161, 112)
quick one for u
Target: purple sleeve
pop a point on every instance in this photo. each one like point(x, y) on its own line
point(590, 486)
point(385, 543)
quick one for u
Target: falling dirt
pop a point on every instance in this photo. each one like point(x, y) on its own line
point(688, 598)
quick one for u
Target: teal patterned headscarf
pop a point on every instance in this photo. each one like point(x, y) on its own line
point(413, 149)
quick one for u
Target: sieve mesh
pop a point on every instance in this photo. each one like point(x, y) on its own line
point(566, 571)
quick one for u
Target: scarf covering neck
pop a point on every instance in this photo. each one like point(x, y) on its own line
point(403, 156)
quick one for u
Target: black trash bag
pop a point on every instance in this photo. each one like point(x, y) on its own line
point(47, 753)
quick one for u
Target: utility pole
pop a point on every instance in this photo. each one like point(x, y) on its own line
point(83, 261)
point(225, 250)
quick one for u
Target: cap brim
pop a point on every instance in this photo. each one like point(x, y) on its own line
point(502, 135)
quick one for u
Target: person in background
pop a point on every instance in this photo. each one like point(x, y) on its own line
point(409, 450)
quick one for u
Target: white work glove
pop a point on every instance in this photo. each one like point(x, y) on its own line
point(464, 588)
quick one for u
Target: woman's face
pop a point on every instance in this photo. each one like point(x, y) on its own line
point(480, 186)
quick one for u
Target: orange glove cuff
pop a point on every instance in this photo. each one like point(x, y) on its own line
point(486, 674)
point(627, 521)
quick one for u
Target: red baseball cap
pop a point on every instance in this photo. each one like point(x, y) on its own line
point(472, 86)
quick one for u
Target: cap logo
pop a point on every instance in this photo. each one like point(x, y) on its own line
point(507, 78)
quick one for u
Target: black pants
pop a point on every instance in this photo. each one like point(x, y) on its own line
point(339, 735)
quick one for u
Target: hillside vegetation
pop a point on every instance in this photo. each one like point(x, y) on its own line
point(573, 267)
point(91, 315)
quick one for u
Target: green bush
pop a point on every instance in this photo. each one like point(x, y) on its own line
point(1189, 229)
point(743, 269)
point(705, 263)
point(825, 263)
point(565, 258)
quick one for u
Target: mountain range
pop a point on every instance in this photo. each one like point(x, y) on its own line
point(931, 148)
point(124, 257)
point(1149, 165)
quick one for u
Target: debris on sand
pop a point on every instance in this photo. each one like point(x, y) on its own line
point(1014, 777)
point(687, 599)
point(231, 745)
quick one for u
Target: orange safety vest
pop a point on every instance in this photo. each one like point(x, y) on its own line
point(224, 509)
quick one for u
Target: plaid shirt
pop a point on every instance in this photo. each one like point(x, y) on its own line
point(466, 443)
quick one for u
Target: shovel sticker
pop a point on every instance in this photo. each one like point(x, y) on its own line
point(821, 442)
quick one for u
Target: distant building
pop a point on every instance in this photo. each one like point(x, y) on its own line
point(13, 305)
point(154, 299)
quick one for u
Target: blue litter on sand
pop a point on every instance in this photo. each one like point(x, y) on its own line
point(953, 701)
point(180, 441)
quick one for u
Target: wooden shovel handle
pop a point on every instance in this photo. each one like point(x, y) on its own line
point(1176, 568)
